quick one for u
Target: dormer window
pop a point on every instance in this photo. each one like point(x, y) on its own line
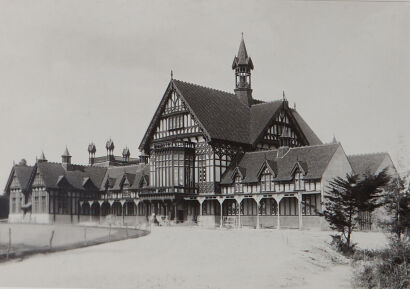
point(267, 183)
point(238, 184)
point(299, 181)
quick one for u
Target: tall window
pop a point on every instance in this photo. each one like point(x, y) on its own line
point(267, 183)
point(299, 181)
point(36, 205)
point(205, 162)
point(238, 184)
point(13, 205)
point(310, 204)
point(43, 204)
point(173, 166)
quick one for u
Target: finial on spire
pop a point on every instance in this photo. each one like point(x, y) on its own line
point(283, 95)
point(334, 139)
point(242, 35)
point(172, 74)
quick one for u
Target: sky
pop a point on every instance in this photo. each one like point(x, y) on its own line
point(72, 72)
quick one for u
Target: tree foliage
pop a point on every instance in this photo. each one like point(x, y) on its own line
point(397, 201)
point(347, 196)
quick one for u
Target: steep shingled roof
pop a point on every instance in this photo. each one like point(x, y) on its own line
point(310, 135)
point(221, 113)
point(23, 174)
point(315, 160)
point(367, 163)
point(224, 117)
point(133, 173)
point(51, 172)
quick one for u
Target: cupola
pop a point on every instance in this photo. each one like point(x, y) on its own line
point(242, 64)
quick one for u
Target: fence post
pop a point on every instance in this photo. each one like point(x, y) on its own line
point(51, 239)
point(9, 245)
point(109, 234)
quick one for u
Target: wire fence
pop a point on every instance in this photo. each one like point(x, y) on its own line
point(19, 240)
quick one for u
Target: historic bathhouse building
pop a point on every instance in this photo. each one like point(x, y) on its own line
point(208, 156)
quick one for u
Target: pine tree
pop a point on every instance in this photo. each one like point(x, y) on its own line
point(346, 197)
point(397, 201)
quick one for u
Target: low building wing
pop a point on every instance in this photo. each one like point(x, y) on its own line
point(313, 161)
point(372, 163)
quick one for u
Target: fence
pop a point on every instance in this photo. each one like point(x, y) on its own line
point(19, 240)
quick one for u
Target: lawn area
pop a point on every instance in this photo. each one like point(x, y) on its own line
point(192, 257)
point(27, 239)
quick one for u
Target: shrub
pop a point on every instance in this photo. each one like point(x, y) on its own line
point(388, 268)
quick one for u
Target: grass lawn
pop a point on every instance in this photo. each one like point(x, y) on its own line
point(26, 239)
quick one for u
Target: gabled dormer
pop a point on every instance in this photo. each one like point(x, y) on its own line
point(238, 176)
point(266, 176)
point(125, 183)
point(144, 182)
point(38, 179)
point(298, 173)
point(15, 184)
point(109, 183)
point(88, 183)
point(62, 181)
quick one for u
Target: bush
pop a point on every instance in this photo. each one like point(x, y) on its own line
point(387, 268)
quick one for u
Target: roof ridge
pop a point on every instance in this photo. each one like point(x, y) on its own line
point(368, 154)
point(317, 145)
point(203, 86)
point(266, 102)
point(261, 151)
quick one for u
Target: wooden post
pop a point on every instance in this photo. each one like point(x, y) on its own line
point(221, 225)
point(278, 199)
point(91, 218)
point(221, 201)
point(51, 239)
point(300, 211)
point(9, 245)
point(278, 216)
point(176, 211)
point(257, 214)
point(239, 202)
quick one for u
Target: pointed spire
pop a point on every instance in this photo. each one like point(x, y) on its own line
point(334, 139)
point(172, 75)
point(42, 157)
point(242, 64)
point(242, 57)
point(66, 153)
point(283, 95)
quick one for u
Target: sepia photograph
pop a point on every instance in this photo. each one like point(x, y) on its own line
point(192, 144)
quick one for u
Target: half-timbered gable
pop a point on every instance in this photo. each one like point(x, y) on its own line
point(176, 121)
point(274, 124)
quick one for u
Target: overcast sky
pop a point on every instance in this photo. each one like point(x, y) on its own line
point(72, 72)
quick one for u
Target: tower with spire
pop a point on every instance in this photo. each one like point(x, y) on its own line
point(242, 64)
point(66, 159)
